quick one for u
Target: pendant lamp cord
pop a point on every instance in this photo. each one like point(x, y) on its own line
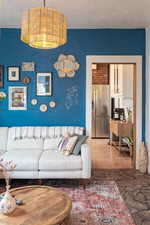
point(44, 3)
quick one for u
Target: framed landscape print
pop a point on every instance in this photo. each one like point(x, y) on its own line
point(13, 73)
point(1, 76)
point(28, 66)
point(43, 86)
point(17, 98)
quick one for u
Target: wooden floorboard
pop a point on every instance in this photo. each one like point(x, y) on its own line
point(105, 156)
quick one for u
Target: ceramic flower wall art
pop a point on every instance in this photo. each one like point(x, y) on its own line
point(2, 95)
point(66, 65)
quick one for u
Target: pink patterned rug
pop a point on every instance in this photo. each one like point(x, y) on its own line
point(99, 204)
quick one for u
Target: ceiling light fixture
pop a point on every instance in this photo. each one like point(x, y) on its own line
point(43, 28)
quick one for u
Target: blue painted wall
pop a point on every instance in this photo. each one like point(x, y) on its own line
point(81, 42)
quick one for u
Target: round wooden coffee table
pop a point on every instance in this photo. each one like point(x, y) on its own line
point(43, 205)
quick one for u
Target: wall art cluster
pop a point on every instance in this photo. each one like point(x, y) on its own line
point(17, 94)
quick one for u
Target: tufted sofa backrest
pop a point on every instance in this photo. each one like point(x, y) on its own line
point(33, 132)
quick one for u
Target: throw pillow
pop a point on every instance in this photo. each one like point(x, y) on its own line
point(67, 150)
point(63, 142)
point(77, 148)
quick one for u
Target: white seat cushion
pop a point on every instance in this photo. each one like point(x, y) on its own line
point(51, 143)
point(25, 160)
point(54, 160)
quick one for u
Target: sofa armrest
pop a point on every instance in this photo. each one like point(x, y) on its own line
point(86, 160)
point(2, 152)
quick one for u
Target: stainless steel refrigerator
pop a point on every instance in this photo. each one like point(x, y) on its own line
point(100, 111)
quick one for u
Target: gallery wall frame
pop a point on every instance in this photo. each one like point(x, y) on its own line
point(17, 98)
point(13, 73)
point(28, 66)
point(43, 84)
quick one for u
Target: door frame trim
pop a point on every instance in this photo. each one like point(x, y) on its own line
point(116, 59)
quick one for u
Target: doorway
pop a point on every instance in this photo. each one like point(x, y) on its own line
point(137, 61)
point(113, 115)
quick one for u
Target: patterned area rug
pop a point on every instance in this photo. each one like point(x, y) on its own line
point(99, 204)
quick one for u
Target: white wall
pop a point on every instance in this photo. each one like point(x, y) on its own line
point(147, 136)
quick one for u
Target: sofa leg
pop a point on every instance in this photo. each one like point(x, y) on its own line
point(84, 182)
point(40, 181)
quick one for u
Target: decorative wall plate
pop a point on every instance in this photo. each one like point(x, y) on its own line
point(26, 80)
point(34, 101)
point(43, 108)
point(28, 66)
point(66, 65)
point(52, 104)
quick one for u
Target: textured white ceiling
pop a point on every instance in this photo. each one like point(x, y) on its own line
point(84, 13)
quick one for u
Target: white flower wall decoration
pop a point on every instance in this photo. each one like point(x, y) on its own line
point(66, 65)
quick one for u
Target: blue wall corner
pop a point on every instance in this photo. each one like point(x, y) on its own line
point(81, 42)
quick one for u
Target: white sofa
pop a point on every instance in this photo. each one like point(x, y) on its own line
point(34, 151)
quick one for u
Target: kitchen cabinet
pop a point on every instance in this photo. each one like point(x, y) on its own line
point(121, 84)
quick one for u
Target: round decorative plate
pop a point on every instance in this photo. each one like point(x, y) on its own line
point(52, 104)
point(43, 108)
point(26, 80)
point(34, 101)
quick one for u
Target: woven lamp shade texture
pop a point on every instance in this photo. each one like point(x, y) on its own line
point(43, 28)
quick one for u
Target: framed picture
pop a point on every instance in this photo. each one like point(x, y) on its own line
point(28, 66)
point(17, 98)
point(43, 84)
point(13, 73)
point(1, 76)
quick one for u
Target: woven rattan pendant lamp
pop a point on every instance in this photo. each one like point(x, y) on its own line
point(43, 28)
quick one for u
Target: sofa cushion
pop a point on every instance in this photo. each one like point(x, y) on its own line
point(24, 160)
point(51, 143)
point(25, 143)
point(54, 160)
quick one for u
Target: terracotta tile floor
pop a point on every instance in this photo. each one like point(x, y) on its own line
point(105, 156)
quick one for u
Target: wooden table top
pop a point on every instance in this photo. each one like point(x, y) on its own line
point(43, 205)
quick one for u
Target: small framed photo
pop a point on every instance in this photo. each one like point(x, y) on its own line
point(13, 73)
point(17, 98)
point(28, 66)
point(1, 76)
point(44, 86)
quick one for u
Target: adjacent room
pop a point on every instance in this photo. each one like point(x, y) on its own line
point(74, 112)
point(113, 125)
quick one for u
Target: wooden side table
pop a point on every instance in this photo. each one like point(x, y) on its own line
point(120, 129)
point(43, 205)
